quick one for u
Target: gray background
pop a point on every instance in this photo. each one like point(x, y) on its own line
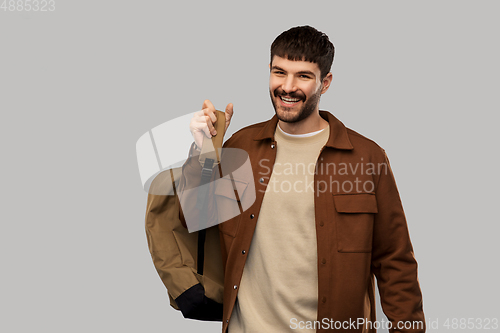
point(81, 84)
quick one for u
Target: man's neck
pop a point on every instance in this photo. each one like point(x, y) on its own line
point(312, 123)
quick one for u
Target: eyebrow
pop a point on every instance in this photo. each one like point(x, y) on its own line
point(300, 73)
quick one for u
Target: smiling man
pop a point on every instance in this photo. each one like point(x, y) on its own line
point(295, 88)
point(305, 255)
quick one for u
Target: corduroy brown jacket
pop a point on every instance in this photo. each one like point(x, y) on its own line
point(361, 229)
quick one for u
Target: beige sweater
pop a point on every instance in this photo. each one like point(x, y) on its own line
point(279, 286)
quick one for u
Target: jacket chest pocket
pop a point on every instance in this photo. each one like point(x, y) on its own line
point(354, 218)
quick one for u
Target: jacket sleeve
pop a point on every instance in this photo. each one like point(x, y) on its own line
point(393, 260)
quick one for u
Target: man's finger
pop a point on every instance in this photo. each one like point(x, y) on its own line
point(229, 114)
point(210, 125)
point(211, 114)
point(206, 130)
point(203, 124)
point(208, 105)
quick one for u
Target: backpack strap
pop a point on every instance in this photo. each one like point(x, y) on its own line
point(209, 148)
point(209, 158)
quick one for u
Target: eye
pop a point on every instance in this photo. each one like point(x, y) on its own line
point(304, 76)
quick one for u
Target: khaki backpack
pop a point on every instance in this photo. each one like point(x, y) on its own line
point(189, 264)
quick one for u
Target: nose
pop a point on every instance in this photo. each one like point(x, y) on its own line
point(288, 85)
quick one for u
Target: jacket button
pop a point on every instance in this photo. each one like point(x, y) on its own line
point(261, 180)
point(243, 251)
point(323, 261)
point(252, 216)
point(321, 224)
point(227, 320)
point(235, 287)
point(272, 146)
point(323, 300)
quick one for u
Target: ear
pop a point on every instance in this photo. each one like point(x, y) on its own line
point(326, 82)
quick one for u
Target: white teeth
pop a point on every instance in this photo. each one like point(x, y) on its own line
point(290, 100)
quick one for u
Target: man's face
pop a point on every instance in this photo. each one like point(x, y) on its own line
point(295, 88)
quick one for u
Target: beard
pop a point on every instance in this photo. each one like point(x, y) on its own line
point(285, 113)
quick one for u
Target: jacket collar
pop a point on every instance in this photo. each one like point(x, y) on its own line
point(338, 138)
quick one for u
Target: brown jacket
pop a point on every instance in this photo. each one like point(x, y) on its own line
point(361, 228)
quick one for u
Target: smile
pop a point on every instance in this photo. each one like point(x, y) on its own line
point(289, 101)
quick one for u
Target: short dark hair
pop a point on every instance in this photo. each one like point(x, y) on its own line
point(307, 44)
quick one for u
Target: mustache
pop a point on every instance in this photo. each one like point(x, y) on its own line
point(297, 94)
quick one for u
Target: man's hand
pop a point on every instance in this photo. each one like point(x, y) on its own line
point(202, 123)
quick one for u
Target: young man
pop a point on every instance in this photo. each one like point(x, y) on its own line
point(327, 217)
